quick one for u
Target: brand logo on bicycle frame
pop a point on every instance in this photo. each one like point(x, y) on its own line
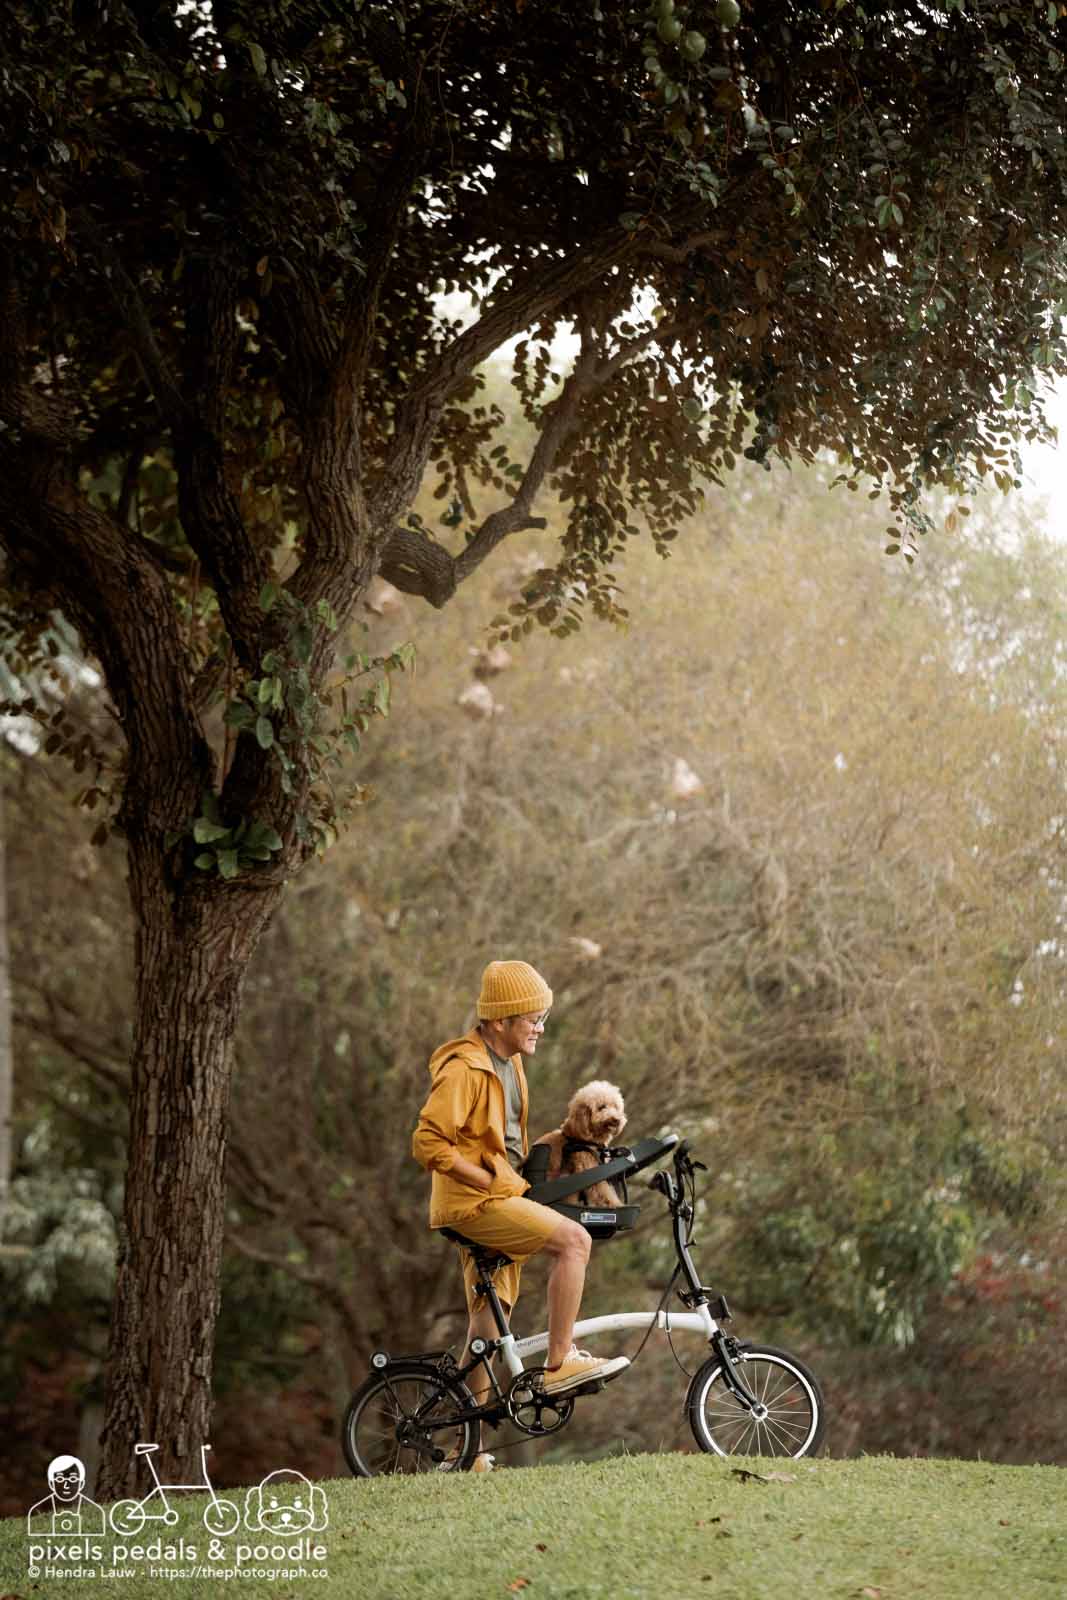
point(269, 1531)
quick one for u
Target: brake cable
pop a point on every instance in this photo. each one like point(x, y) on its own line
point(690, 1179)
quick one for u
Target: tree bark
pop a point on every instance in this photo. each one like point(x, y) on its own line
point(194, 943)
point(6, 1061)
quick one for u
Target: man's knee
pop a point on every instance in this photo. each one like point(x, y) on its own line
point(570, 1240)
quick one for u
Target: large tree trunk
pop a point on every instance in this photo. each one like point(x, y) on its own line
point(195, 940)
point(6, 1057)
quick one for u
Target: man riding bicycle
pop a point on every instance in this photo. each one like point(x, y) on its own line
point(471, 1136)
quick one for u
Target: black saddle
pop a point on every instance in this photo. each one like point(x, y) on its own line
point(487, 1258)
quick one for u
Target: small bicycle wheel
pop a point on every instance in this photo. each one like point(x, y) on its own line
point(221, 1517)
point(791, 1416)
point(127, 1517)
point(399, 1420)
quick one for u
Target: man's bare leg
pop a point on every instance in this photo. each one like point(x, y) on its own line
point(482, 1325)
point(569, 1249)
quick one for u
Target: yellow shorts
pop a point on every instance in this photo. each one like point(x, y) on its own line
point(514, 1225)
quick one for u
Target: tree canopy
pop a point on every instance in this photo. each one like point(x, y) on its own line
point(231, 226)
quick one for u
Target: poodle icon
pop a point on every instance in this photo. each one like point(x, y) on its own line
point(285, 1503)
point(66, 1511)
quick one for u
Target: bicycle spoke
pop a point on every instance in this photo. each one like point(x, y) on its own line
point(395, 1424)
point(790, 1423)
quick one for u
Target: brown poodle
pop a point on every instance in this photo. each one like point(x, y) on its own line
point(595, 1118)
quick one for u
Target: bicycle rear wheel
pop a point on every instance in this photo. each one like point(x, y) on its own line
point(792, 1416)
point(400, 1418)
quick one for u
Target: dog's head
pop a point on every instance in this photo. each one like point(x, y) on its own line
point(596, 1113)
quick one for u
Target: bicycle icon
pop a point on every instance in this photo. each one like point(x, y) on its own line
point(221, 1517)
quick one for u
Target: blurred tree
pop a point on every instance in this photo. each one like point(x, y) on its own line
point(226, 233)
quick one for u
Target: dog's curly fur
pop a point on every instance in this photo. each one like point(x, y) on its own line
point(596, 1114)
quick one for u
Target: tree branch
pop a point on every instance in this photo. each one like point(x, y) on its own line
point(541, 290)
point(210, 513)
point(678, 254)
point(106, 581)
point(131, 307)
point(417, 564)
point(562, 420)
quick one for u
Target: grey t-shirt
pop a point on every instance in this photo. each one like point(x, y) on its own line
point(505, 1071)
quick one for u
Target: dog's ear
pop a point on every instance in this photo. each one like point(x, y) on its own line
point(582, 1117)
point(578, 1119)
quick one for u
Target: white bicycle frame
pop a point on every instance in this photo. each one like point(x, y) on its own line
point(513, 1350)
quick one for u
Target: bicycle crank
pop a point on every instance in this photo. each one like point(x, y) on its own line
point(534, 1412)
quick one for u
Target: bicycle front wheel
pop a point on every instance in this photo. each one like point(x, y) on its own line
point(791, 1416)
point(401, 1419)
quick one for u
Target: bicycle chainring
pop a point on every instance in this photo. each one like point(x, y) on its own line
point(532, 1411)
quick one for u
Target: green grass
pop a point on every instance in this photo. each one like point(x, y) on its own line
point(641, 1527)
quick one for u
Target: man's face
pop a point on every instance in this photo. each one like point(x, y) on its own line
point(66, 1484)
point(519, 1035)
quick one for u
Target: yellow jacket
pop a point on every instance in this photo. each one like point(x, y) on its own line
point(465, 1116)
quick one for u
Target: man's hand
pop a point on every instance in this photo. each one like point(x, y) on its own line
point(468, 1172)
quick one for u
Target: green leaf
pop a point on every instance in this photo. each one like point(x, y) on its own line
point(264, 733)
point(259, 60)
point(268, 595)
point(381, 696)
point(302, 637)
point(238, 714)
point(228, 863)
point(205, 861)
point(205, 831)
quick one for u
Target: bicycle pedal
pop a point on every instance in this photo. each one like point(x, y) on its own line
point(594, 1386)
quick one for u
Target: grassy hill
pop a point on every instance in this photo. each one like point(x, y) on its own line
point(631, 1528)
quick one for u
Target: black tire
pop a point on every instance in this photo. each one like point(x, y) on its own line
point(382, 1433)
point(795, 1418)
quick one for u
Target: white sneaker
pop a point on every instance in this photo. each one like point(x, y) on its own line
point(580, 1367)
point(483, 1462)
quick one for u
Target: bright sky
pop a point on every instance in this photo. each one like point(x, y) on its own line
point(1045, 469)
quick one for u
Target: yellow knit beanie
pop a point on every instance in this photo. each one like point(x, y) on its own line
point(511, 989)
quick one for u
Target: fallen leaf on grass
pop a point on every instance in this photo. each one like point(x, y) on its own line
point(541, 1547)
point(759, 1477)
point(871, 1594)
point(520, 1583)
